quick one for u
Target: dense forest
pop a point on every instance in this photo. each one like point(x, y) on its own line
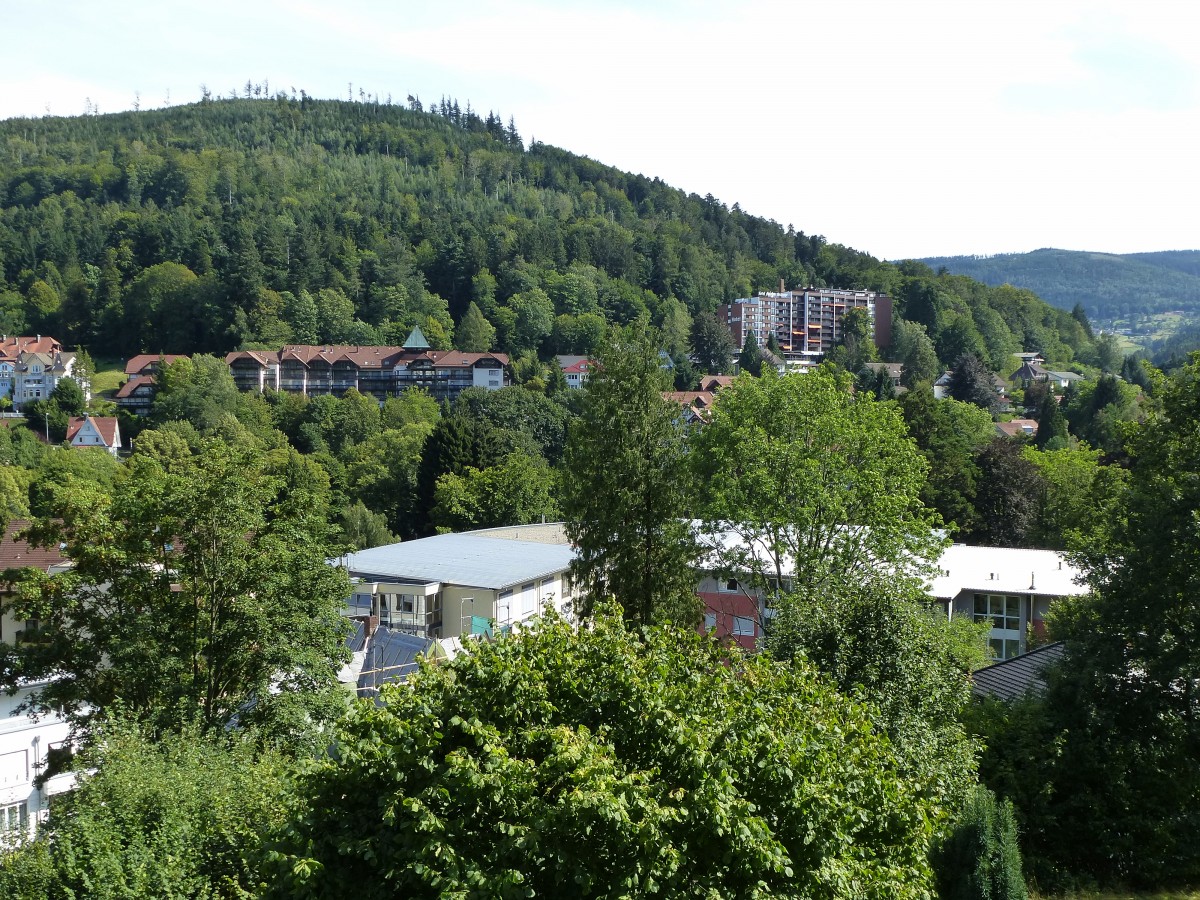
point(1108, 286)
point(255, 222)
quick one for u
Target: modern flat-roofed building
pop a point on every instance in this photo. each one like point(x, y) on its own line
point(806, 323)
point(451, 585)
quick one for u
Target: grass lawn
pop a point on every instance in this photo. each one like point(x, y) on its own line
point(109, 375)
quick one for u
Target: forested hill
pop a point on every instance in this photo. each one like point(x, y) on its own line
point(1109, 286)
point(259, 221)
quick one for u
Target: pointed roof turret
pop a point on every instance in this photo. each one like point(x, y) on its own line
point(416, 340)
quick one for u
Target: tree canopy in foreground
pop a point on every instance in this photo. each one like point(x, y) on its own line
point(199, 591)
point(610, 763)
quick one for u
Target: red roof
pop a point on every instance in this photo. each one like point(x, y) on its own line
point(133, 384)
point(715, 382)
point(15, 554)
point(11, 346)
point(364, 357)
point(106, 426)
point(139, 364)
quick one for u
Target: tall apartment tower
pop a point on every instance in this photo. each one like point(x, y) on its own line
point(806, 323)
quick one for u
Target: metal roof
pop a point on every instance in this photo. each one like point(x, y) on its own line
point(1016, 677)
point(468, 560)
point(392, 656)
point(1005, 570)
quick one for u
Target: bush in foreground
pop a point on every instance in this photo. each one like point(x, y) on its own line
point(609, 762)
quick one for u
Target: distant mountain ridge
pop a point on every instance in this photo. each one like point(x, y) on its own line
point(1108, 285)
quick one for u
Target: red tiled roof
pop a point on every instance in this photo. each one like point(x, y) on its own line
point(364, 357)
point(1017, 427)
point(132, 385)
point(11, 346)
point(106, 426)
point(15, 554)
point(139, 364)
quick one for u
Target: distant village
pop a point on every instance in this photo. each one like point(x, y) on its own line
point(423, 599)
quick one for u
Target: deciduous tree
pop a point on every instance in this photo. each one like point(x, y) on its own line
point(821, 486)
point(199, 591)
point(603, 762)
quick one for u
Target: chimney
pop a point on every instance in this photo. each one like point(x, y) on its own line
point(781, 286)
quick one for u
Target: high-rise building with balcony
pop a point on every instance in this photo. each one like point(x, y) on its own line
point(806, 323)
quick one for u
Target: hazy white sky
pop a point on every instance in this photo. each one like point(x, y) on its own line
point(919, 128)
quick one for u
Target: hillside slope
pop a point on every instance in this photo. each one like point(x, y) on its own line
point(256, 222)
point(1108, 286)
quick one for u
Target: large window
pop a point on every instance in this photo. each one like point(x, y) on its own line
point(13, 817)
point(1003, 613)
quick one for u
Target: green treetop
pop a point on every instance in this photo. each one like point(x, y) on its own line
point(199, 590)
point(604, 762)
point(625, 488)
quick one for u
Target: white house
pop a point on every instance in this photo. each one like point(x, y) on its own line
point(94, 431)
point(26, 746)
point(31, 367)
point(575, 369)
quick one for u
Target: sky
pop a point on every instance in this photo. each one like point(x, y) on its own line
point(922, 128)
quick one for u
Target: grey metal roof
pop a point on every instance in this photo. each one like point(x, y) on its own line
point(468, 560)
point(1016, 677)
point(392, 656)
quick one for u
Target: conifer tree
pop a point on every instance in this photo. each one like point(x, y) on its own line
point(475, 334)
point(750, 359)
point(1052, 424)
point(625, 491)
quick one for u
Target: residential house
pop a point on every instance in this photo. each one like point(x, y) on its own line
point(1032, 371)
point(31, 368)
point(1017, 428)
point(136, 393)
point(575, 369)
point(697, 405)
point(452, 585)
point(27, 745)
point(733, 610)
point(713, 383)
point(941, 389)
point(894, 370)
point(94, 431)
point(806, 324)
